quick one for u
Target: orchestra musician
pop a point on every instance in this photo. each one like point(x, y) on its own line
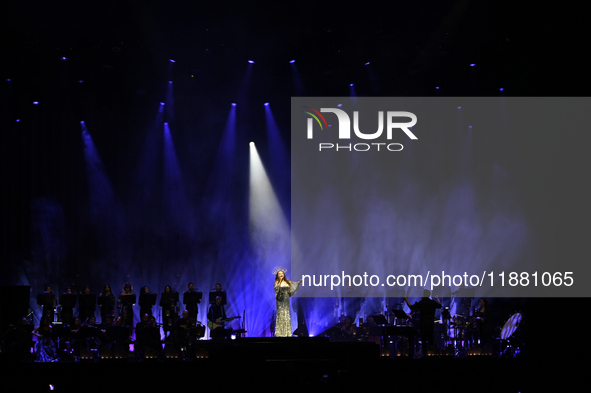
point(481, 319)
point(86, 304)
point(48, 301)
point(182, 330)
point(146, 301)
point(216, 317)
point(45, 348)
point(68, 302)
point(126, 302)
point(107, 302)
point(168, 302)
point(349, 330)
point(190, 299)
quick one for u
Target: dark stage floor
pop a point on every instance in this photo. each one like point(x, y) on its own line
point(298, 364)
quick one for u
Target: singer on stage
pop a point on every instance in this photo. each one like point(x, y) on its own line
point(284, 289)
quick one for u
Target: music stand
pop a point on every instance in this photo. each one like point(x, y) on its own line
point(68, 300)
point(128, 300)
point(400, 314)
point(379, 319)
point(192, 297)
point(214, 294)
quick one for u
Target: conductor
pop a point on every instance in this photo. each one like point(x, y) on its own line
point(426, 307)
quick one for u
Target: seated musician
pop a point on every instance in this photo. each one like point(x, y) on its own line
point(146, 335)
point(182, 333)
point(182, 326)
point(373, 331)
point(349, 330)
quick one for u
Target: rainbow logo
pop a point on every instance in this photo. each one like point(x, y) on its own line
point(316, 117)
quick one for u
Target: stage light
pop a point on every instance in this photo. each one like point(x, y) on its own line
point(291, 61)
point(64, 58)
point(472, 65)
point(251, 143)
point(162, 103)
point(18, 120)
point(470, 127)
point(82, 123)
point(459, 107)
point(251, 62)
point(350, 85)
point(233, 337)
point(80, 81)
point(35, 102)
point(339, 105)
point(8, 80)
point(233, 104)
point(437, 88)
point(172, 61)
point(501, 89)
point(367, 63)
point(266, 104)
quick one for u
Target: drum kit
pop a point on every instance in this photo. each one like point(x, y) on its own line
point(465, 330)
point(509, 341)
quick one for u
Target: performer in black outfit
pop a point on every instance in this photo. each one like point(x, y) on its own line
point(190, 299)
point(147, 335)
point(48, 301)
point(482, 319)
point(168, 302)
point(68, 302)
point(426, 307)
point(107, 302)
point(126, 301)
point(147, 301)
point(216, 316)
point(182, 333)
point(86, 304)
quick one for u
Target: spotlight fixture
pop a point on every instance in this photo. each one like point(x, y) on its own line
point(251, 143)
point(18, 120)
point(169, 81)
point(470, 127)
point(350, 85)
point(8, 80)
point(472, 65)
point(459, 107)
point(501, 89)
point(437, 88)
point(339, 105)
point(162, 103)
point(251, 62)
point(266, 104)
point(172, 61)
point(80, 81)
point(35, 102)
point(291, 61)
point(367, 63)
point(64, 58)
point(233, 337)
point(233, 104)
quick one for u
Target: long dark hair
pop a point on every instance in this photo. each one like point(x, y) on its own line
point(284, 279)
point(107, 291)
point(485, 304)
